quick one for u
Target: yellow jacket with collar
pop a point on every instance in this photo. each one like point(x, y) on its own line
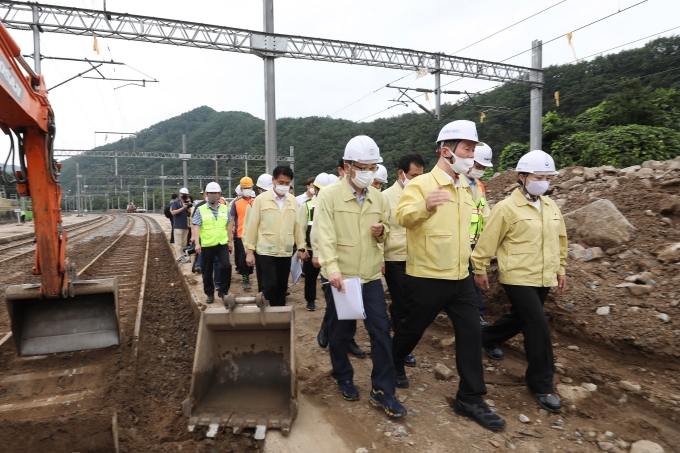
point(438, 242)
point(343, 226)
point(395, 242)
point(269, 230)
point(531, 246)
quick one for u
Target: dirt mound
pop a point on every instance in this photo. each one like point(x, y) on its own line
point(635, 318)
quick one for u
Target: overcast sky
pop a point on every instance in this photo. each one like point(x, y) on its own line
point(225, 81)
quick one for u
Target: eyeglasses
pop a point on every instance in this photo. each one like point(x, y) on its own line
point(372, 168)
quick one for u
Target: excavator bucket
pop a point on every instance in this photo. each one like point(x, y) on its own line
point(244, 373)
point(86, 320)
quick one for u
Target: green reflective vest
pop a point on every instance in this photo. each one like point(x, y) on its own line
point(213, 231)
point(477, 219)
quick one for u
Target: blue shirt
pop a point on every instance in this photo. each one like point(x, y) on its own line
point(198, 220)
point(181, 220)
point(360, 198)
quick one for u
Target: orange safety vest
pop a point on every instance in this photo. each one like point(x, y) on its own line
point(241, 206)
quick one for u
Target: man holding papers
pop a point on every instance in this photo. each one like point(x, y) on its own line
point(352, 218)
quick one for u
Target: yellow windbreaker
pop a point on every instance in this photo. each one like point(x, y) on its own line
point(531, 245)
point(269, 230)
point(395, 243)
point(345, 242)
point(438, 243)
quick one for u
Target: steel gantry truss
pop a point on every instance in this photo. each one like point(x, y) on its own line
point(161, 155)
point(268, 45)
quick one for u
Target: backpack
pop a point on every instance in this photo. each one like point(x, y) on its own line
point(166, 211)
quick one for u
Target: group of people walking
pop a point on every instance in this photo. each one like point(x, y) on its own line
point(432, 235)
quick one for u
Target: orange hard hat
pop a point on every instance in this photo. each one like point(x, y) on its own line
point(246, 183)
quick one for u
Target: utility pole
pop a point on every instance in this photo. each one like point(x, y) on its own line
point(292, 166)
point(536, 114)
point(437, 90)
point(115, 160)
point(216, 172)
point(185, 157)
point(162, 187)
point(36, 39)
point(146, 187)
point(78, 176)
point(269, 94)
point(246, 164)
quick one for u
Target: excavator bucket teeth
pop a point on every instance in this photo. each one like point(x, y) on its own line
point(88, 320)
point(244, 373)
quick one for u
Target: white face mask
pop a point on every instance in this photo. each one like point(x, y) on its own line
point(281, 190)
point(476, 173)
point(312, 190)
point(460, 165)
point(363, 179)
point(405, 181)
point(537, 188)
point(248, 193)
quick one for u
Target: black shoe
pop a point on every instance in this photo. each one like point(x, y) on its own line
point(287, 293)
point(322, 338)
point(483, 322)
point(549, 402)
point(356, 351)
point(311, 307)
point(220, 294)
point(246, 284)
point(348, 391)
point(495, 353)
point(409, 360)
point(401, 380)
point(209, 299)
point(481, 414)
point(388, 402)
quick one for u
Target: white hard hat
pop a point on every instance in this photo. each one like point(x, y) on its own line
point(238, 190)
point(184, 190)
point(537, 162)
point(458, 130)
point(265, 182)
point(483, 155)
point(381, 174)
point(362, 149)
point(322, 180)
point(332, 178)
point(213, 187)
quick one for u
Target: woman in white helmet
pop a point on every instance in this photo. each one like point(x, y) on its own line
point(527, 233)
point(380, 177)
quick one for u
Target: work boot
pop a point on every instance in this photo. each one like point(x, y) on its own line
point(220, 294)
point(409, 360)
point(322, 338)
point(246, 283)
point(481, 414)
point(209, 299)
point(348, 391)
point(494, 353)
point(388, 402)
point(355, 350)
point(401, 380)
point(549, 402)
point(311, 306)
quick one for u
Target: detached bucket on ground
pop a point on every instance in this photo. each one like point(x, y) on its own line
point(244, 373)
point(88, 320)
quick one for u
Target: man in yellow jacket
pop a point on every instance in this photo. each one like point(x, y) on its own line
point(436, 209)
point(271, 233)
point(352, 218)
point(410, 166)
point(527, 233)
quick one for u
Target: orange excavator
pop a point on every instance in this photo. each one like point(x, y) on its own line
point(62, 313)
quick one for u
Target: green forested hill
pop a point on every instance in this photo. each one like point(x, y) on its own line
point(319, 141)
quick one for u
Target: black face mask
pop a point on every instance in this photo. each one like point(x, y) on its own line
point(184, 197)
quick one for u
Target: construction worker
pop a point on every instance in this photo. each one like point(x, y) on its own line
point(308, 194)
point(322, 336)
point(380, 177)
point(480, 211)
point(270, 235)
point(237, 213)
point(435, 209)
point(305, 252)
point(527, 233)
point(209, 224)
point(410, 166)
point(352, 218)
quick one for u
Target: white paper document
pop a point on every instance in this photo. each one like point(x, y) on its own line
point(350, 304)
point(295, 269)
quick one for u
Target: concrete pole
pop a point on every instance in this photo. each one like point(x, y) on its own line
point(146, 188)
point(246, 164)
point(229, 181)
point(153, 201)
point(36, 39)
point(216, 172)
point(78, 176)
point(292, 167)
point(184, 162)
point(536, 114)
point(115, 160)
point(90, 204)
point(438, 91)
point(269, 94)
point(162, 188)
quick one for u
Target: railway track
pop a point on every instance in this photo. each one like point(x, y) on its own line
point(67, 383)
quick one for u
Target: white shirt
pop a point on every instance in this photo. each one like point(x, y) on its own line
point(279, 201)
point(536, 204)
point(302, 198)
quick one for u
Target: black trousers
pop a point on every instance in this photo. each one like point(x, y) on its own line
point(240, 258)
point(275, 272)
point(395, 274)
point(208, 255)
point(527, 316)
point(172, 232)
point(378, 326)
point(480, 299)
point(427, 297)
point(258, 273)
point(311, 275)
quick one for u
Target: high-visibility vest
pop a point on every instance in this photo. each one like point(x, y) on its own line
point(213, 230)
point(310, 212)
point(241, 208)
point(477, 220)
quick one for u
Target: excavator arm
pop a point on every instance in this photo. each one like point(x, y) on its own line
point(61, 314)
